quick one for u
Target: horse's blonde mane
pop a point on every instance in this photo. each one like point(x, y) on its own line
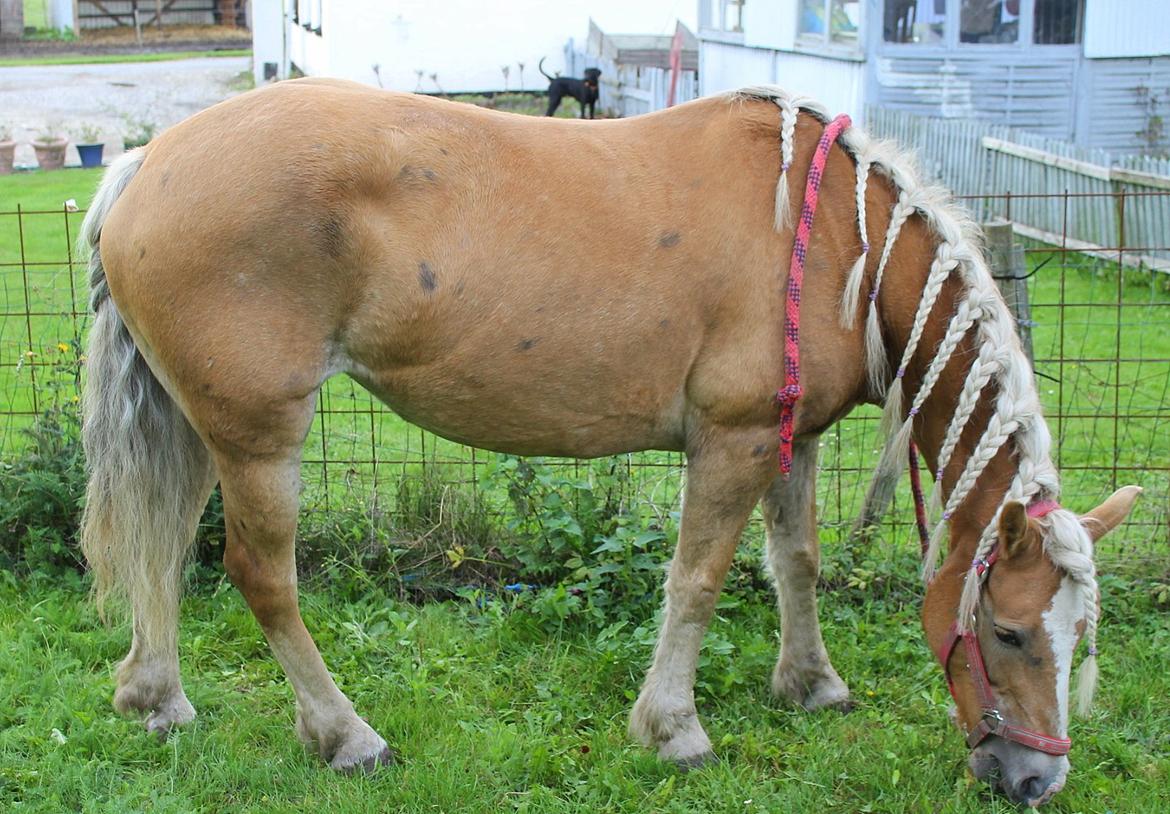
point(1017, 415)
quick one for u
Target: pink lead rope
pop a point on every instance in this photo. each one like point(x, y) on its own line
point(791, 393)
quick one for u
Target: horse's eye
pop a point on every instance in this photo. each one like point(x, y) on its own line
point(1008, 637)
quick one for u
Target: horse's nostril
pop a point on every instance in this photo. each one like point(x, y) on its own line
point(1032, 788)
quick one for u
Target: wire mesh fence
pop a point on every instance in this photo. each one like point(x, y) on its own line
point(1100, 326)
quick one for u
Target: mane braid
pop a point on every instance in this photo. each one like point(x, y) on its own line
point(1016, 417)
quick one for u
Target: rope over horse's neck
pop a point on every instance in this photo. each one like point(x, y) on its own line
point(791, 392)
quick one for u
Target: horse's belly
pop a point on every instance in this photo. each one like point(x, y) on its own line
point(568, 404)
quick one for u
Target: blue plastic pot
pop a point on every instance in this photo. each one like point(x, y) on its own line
point(90, 154)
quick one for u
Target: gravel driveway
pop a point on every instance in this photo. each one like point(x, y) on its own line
point(110, 97)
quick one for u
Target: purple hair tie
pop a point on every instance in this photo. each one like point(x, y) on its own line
point(873, 295)
point(901, 372)
point(784, 166)
point(946, 516)
point(1092, 650)
point(865, 247)
point(913, 412)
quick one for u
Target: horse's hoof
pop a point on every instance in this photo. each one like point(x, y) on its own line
point(824, 691)
point(367, 765)
point(173, 713)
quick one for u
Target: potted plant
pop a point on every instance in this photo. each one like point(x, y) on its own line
point(7, 150)
point(90, 146)
point(50, 150)
point(138, 133)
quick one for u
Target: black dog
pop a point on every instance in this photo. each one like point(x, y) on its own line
point(583, 90)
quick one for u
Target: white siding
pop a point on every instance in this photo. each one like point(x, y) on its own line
point(770, 25)
point(837, 83)
point(267, 36)
point(1114, 107)
point(1126, 28)
point(1033, 89)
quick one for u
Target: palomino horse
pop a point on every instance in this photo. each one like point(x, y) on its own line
point(454, 263)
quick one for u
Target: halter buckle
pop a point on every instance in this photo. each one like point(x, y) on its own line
point(993, 714)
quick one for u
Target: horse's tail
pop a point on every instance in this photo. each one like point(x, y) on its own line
point(540, 67)
point(143, 458)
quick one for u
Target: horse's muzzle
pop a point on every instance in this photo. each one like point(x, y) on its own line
point(1023, 775)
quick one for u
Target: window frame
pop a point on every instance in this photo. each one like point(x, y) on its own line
point(823, 43)
point(952, 21)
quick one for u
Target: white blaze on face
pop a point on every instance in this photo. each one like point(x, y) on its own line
point(1060, 622)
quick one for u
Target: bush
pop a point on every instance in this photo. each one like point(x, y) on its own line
point(40, 495)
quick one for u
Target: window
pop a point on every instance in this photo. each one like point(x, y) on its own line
point(989, 21)
point(1058, 22)
point(919, 21)
point(829, 22)
point(728, 15)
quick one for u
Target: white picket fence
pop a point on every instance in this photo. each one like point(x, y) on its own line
point(1113, 206)
point(630, 90)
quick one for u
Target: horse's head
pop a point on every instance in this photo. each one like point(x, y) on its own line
point(1009, 665)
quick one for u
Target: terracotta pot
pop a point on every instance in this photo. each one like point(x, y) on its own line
point(51, 154)
point(7, 151)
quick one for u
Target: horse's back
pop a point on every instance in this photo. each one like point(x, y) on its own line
point(528, 284)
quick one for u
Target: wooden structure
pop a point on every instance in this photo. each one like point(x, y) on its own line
point(636, 68)
point(144, 13)
point(11, 19)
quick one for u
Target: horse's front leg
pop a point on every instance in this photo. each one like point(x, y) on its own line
point(803, 674)
point(724, 481)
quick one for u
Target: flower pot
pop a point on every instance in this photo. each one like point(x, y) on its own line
point(51, 154)
point(90, 154)
point(7, 151)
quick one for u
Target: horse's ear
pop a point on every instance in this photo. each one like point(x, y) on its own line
point(1013, 529)
point(1106, 517)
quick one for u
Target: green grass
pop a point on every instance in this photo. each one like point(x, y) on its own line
point(92, 59)
point(36, 14)
point(493, 711)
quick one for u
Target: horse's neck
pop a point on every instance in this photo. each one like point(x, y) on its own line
point(983, 387)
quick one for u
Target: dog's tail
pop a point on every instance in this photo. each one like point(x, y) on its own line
point(540, 67)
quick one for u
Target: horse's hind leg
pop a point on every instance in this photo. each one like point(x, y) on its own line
point(803, 673)
point(724, 481)
point(260, 509)
point(149, 478)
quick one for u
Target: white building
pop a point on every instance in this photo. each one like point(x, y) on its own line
point(441, 45)
point(1096, 72)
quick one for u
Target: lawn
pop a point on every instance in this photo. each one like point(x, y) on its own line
point(91, 59)
point(494, 709)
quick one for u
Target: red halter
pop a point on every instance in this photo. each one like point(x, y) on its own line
point(992, 722)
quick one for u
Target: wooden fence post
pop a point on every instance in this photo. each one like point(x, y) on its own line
point(11, 19)
point(1010, 269)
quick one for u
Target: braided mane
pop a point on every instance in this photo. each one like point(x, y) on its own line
point(1017, 415)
